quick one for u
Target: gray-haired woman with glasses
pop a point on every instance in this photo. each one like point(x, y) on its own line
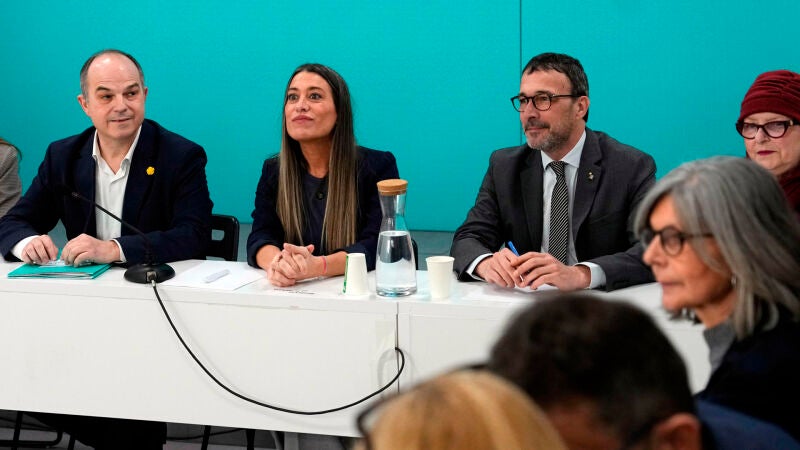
point(723, 243)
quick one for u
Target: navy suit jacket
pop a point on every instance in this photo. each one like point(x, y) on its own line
point(171, 206)
point(373, 166)
point(612, 179)
point(759, 376)
point(726, 429)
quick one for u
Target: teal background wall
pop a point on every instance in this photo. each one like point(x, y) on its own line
point(430, 79)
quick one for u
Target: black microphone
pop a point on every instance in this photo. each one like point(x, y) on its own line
point(143, 273)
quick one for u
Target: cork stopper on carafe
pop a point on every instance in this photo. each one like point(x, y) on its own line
point(392, 187)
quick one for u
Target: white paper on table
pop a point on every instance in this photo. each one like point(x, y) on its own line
point(238, 276)
point(491, 292)
point(311, 286)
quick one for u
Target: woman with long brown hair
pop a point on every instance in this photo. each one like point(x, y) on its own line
point(317, 199)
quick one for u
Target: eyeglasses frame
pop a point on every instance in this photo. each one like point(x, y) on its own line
point(787, 123)
point(682, 238)
point(532, 100)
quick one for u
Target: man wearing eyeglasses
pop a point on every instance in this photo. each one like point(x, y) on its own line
point(556, 210)
point(769, 122)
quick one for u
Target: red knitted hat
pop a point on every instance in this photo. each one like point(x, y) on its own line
point(776, 92)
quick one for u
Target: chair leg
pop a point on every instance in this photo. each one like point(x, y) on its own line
point(206, 436)
point(17, 430)
point(71, 445)
point(277, 437)
point(251, 438)
point(16, 442)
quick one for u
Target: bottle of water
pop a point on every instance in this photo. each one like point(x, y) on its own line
point(395, 268)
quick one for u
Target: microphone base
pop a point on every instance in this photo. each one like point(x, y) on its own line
point(139, 273)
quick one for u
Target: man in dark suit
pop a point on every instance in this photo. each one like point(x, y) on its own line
point(569, 220)
point(152, 178)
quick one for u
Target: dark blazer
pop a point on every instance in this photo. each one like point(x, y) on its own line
point(611, 181)
point(373, 166)
point(759, 375)
point(727, 429)
point(172, 206)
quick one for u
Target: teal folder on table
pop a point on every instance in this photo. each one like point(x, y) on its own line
point(58, 271)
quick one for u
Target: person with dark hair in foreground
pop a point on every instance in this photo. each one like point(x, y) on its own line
point(608, 378)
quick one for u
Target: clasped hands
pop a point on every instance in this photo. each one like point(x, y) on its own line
point(532, 270)
point(292, 264)
point(81, 250)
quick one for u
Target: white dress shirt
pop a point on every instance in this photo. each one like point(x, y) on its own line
point(110, 193)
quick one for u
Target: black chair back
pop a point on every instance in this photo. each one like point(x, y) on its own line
point(226, 247)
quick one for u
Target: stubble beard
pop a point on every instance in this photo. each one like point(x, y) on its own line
point(551, 143)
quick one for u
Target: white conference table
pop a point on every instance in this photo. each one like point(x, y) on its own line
point(444, 334)
point(104, 348)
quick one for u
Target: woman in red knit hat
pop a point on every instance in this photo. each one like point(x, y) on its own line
point(769, 122)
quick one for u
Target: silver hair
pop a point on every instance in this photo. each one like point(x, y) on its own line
point(742, 206)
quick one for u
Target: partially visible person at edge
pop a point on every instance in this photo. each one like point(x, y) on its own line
point(609, 379)
point(317, 200)
point(565, 198)
point(769, 122)
point(460, 410)
point(10, 185)
point(725, 246)
point(150, 177)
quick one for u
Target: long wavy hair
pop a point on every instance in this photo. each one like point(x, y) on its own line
point(742, 206)
point(340, 221)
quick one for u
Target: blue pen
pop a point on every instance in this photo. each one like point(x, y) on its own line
point(511, 247)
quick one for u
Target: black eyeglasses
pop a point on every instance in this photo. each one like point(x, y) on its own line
point(774, 129)
point(671, 238)
point(541, 101)
point(366, 417)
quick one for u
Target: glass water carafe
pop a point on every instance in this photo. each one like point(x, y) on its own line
point(395, 268)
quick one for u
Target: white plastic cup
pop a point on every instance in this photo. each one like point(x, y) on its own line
point(440, 275)
point(355, 275)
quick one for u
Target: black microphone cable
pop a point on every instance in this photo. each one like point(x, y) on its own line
point(153, 273)
point(267, 405)
point(137, 273)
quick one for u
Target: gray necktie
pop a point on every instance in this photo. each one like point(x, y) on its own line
point(559, 214)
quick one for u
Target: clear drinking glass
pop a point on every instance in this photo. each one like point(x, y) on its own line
point(395, 268)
